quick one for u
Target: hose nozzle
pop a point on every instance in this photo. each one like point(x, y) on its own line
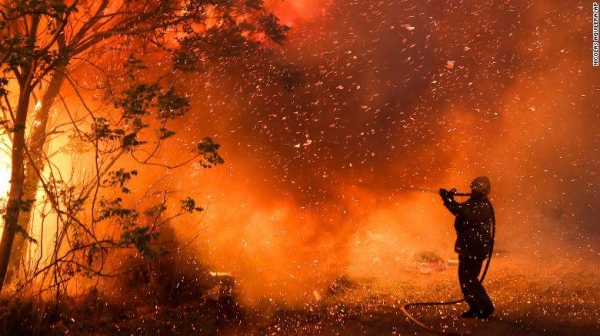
point(452, 192)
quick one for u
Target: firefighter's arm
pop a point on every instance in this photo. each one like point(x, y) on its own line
point(449, 202)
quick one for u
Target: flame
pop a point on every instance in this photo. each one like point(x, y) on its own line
point(4, 172)
point(292, 13)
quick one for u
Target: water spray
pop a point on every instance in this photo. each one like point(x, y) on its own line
point(432, 191)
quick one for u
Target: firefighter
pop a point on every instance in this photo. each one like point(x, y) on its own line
point(473, 223)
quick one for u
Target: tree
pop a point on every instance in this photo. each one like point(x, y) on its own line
point(43, 47)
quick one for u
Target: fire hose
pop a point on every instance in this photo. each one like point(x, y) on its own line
point(453, 302)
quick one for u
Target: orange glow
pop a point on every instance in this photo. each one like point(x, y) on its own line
point(263, 223)
point(4, 173)
point(314, 185)
point(295, 12)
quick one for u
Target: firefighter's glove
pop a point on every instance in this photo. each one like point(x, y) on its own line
point(445, 194)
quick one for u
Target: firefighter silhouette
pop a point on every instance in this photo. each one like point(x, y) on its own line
point(473, 224)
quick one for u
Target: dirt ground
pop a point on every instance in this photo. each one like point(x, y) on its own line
point(544, 296)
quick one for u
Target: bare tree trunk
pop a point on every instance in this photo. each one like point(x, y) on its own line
point(15, 200)
point(35, 165)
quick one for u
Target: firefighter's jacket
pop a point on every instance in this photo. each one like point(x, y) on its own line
point(473, 224)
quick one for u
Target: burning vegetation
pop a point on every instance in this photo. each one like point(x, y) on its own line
point(258, 167)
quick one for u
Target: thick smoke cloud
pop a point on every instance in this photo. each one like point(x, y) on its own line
point(368, 99)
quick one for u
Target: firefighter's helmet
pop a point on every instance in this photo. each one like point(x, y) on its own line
point(481, 185)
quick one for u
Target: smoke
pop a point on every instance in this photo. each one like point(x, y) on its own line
point(369, 99)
